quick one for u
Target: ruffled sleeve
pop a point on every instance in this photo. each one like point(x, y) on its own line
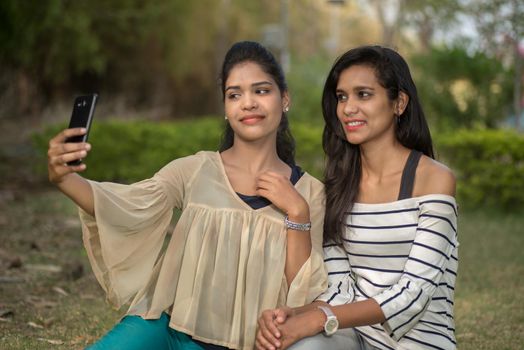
point(311, 280)
point(404, 303)
point(340, 280)
point(124, 238)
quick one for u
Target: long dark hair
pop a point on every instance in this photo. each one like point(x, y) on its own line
point(343, 167)
point(250, 51)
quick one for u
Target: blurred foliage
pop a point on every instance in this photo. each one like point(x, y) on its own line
point(461, 89)
point(59, 41)
point(489, 165)
point(164, 56)
point(127, 151)
point(500, 24)
point(143, 50)
point(131, 151)
point(306, 82)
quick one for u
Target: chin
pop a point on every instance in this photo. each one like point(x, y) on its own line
point(354, 140)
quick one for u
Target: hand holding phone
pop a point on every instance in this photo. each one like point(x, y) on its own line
point(67, 148)
point(81, 117)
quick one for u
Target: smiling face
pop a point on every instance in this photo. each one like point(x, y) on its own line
point(363, 106)
point(253, 103)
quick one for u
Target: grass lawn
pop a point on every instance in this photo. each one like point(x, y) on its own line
point(49, 298)
point(489, 311)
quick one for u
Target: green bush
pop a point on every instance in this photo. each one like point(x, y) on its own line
point(489, 165)
point(462, 88)
point(127, 151)
point(306, 81)
point(309, 156)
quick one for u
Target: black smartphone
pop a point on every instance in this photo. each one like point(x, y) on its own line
point(83, 111)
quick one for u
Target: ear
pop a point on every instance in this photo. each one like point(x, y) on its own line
point(286, 100)
point(401, 103)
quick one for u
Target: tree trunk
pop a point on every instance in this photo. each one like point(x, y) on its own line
point(391, 26)
point(517, 87)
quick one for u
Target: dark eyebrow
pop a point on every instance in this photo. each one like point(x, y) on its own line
point(262, 83)
point(356, 88)
point(259, 83)
point(233, 88)
point(363, 87)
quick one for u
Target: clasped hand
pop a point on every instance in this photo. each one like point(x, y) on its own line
point(280, 328)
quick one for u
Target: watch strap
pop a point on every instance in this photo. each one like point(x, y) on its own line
point(327, 311)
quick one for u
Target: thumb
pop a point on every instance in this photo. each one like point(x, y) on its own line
point(280, 315)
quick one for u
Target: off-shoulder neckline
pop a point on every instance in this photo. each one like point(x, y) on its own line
point(418, 199)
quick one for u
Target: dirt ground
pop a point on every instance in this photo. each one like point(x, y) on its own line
point(49, 297)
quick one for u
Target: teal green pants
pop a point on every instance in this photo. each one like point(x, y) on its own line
point(135, 333)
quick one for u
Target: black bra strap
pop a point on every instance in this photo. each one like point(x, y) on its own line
point(408, 175)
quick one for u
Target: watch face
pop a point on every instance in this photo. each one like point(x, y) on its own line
point(331, 326)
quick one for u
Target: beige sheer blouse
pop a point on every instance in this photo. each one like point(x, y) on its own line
point(224, 262)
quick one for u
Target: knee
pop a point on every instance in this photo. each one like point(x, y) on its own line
point(310, 343)
point(133, 333)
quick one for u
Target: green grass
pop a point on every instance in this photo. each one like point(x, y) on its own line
point(490, 286)
point(42, 228)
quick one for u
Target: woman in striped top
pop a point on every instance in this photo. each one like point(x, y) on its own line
point(390, 231)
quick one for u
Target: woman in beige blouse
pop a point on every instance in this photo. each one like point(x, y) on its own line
point(249, 237)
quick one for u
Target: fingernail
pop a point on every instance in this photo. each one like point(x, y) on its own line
point(88, 146)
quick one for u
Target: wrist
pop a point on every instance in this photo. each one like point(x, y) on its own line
point(320, 320)
point(297, 226)
point(331, 324)
point(299, 214)
point(61, 181)
point(301, 218)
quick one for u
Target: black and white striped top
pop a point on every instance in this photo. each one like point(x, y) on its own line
point(404, 255)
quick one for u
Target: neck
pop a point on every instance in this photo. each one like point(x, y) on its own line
point(382, 158)
point(253, 157)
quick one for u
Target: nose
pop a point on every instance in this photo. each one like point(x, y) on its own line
point(350, 108)
point(249, 102)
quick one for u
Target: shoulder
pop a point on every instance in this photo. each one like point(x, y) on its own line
point(192, 160)
point(311, 182)
point(186, 166)
point(311, 189)
point(433, 177)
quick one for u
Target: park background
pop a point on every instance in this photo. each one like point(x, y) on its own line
point(155, 65)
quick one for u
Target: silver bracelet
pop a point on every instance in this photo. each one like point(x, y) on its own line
point(296, 226)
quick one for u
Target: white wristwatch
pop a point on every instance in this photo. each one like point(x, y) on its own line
point(331, 325)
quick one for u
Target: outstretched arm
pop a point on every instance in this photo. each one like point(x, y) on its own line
point(65, 177)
